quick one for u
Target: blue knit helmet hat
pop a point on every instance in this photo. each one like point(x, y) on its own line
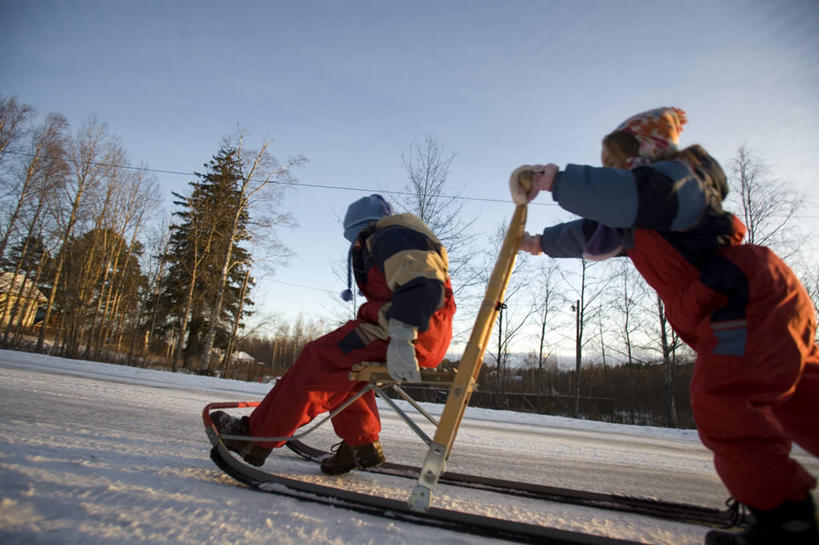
point(360, 214)
point(363, 212)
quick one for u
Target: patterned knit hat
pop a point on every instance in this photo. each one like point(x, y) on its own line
point(656, 130)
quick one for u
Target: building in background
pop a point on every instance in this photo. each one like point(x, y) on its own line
point(19, 299)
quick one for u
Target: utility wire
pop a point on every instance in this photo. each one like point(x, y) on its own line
point(337, 187)
point(292, 184)
point(303, 286)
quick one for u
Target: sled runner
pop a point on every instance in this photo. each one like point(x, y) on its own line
point(399, 510)
point(263, 479)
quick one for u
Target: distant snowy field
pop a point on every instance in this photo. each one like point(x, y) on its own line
point(92, 453)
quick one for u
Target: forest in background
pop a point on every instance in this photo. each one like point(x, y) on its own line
point(90, 270)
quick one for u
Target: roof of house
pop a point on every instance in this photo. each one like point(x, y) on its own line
point(10, 282)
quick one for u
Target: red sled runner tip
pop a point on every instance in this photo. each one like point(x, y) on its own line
point(224, 405)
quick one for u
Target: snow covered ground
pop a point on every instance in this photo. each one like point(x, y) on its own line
point(92, 453)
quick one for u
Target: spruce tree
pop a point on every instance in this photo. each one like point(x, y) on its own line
point(199, 241)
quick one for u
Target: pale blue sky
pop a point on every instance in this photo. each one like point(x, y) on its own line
point(351, 84)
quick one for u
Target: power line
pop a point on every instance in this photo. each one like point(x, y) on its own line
point(336, 187)
point(302, 286)
point(291, 184)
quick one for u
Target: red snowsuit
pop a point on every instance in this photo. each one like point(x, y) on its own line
point(401, 268)
point(756, 380)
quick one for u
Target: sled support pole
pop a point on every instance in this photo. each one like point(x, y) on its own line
point(407, 420)
point(470, 365)
point(415, 405)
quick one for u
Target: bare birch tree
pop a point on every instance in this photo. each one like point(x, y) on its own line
point(43, 166)
point(585, 304)
point(41, 172)
point(766, 204)
point(136, 195)
point(87, 157)
point(263, 179)
point(514, 311)
point(157, 243)
point(669, 342)
point(546, 301)
point(428, 193)
point(632, 291)
point(88, 255)
point(14, 117)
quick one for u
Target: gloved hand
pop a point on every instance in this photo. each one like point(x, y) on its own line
point(520, 194)
point(402, 364)
point(538, 177)
point(530, 243)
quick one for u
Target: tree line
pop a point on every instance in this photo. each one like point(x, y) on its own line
point(80, 240)
point(89, 272)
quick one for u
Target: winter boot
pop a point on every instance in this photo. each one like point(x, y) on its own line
point(347, 458)
point(791, 523)
point(225, 424)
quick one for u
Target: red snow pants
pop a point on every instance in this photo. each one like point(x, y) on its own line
point(317, 382)
point(753, 398)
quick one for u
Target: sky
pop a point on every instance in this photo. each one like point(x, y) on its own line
point(125, 462)
point(352, 85)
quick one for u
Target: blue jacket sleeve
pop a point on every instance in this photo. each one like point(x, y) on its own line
point(567, 239)
point(663, 196)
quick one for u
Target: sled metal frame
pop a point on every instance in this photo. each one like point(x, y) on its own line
point(376, 376)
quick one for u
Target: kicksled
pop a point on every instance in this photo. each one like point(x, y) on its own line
point(459, 383)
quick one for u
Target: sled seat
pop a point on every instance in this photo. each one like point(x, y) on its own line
point(377, 373)
point(376, 376)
